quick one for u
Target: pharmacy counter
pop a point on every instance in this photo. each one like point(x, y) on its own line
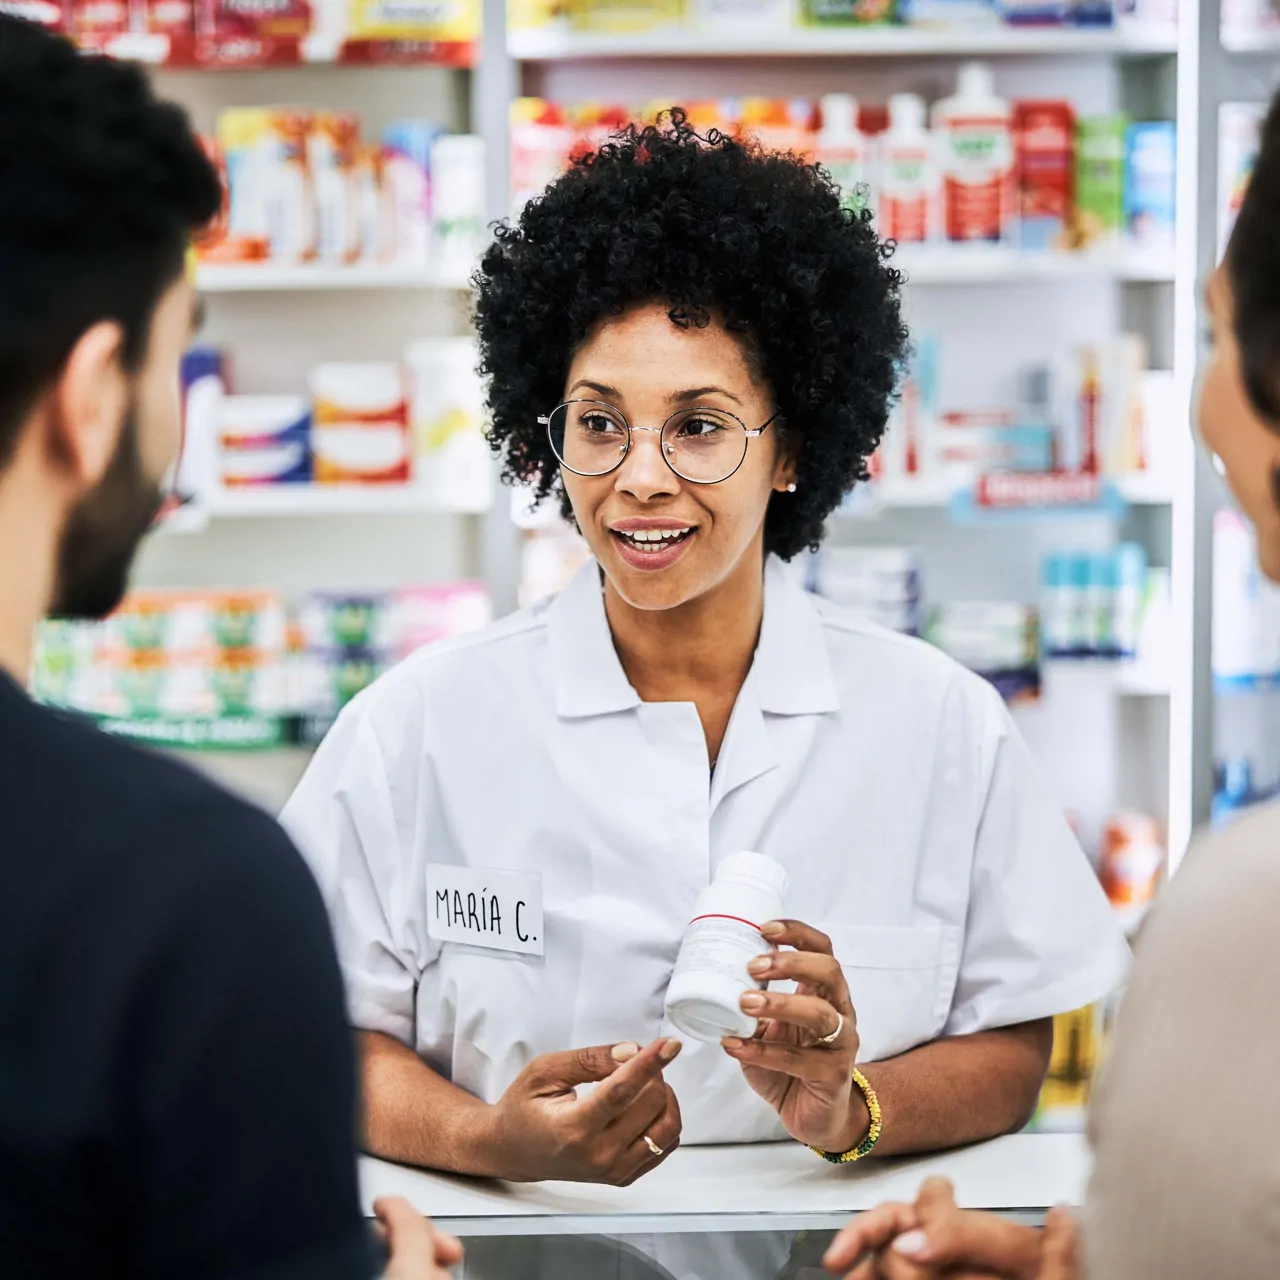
point(717, 1213)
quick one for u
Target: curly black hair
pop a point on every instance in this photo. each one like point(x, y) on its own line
point(711, 226)
point(101, 186)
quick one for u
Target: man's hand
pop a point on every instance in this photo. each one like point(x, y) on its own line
point(418, 1251)
point(621, 1129)
point(935, 1238)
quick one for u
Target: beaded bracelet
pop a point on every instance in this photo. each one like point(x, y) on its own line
point(873, 1134)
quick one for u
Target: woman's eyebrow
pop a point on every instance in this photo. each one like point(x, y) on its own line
point(598, 387)
point(696, 393)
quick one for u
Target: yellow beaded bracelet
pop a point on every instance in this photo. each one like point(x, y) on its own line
point(873, 1134)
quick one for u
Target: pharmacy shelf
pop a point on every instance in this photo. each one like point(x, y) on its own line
point(1251, 41)
point(975, 264)
point(1126, 679)
point(1137, 490)
point(272, 278)
point(865, 42)
point(328, 500)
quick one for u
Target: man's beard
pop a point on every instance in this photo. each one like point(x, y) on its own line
point(103, 531)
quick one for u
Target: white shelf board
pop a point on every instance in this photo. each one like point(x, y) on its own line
point(1127, 679)
point(269, 277)
point(980, 264)
point(865, 42)
point(1238, 41)
point(327, 500)
point(1138, 490)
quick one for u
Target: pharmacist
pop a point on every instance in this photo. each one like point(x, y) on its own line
point(696, 347)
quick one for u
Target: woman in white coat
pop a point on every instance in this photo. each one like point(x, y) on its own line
point(695, 346)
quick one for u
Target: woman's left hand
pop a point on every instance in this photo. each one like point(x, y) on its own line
point(789, 1063)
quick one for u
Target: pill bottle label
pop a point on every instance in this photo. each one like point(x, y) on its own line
point(720, 945)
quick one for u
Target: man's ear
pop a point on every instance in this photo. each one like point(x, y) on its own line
point(88, 404)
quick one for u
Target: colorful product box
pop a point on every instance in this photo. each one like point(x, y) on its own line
point(1044, 142)
point(1150, 182)
point(1099, 179)
point(360, 432)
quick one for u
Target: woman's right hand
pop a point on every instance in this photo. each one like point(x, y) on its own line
point(542, 1129)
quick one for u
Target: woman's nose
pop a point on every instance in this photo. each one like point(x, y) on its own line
point(644, 474)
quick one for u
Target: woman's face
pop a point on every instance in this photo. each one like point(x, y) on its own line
point(647, 367)
point(1230, 426)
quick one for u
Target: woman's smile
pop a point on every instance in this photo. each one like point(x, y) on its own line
point(650, 543)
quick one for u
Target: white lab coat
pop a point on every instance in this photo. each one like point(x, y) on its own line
point(889, 781)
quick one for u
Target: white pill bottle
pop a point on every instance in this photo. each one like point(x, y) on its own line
point(723, 937)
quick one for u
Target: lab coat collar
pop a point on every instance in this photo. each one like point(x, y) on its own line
point(791, 672)
point(792, 668)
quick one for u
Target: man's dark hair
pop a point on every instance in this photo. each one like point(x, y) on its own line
point(710, 227)
point(1253, 268)
point(101, 186)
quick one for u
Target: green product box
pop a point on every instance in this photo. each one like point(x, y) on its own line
point(848, 13)
point(1100, 161)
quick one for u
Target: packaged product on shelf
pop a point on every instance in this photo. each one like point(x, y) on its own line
point(1150, 189)
point(1100, 166)
point(760, 17)
point(1246, 608)
point(245, 143)
point(94, 23)
point(1067, 629)
point(859, 13)
point(360, 425)
point(549, 558)
point(374, 210)
point(458, 202)
point(1101, 605)
point(1239, 137)
point(263, 440)
point(1101, 419)
point(779, 124)
point(1132, 860)
point(1234, 791)
point(251, 31)
point(53, 15)
point(542, 141)
point(423, 615)
point(624, 17)
point(909, 185)
point(333, 150)
point(1073, 1066)
point(882, 584)
point(453, 460)
point(412, 20)
point(407, 148)
point(949, 15)
point(343, 620)
point(173, 18)
point(975, 443)
point(203, 378)
point(1044, 134)
point(185, 622)
point(536, 15)
point(1130, 598)
point(999, 640)
point(1035, 13)
point(844, 151)
point(975, 154)
point(909, 449)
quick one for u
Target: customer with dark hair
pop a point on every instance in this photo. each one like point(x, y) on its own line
point(693, 345)
point(177, 1087)
point(1185, 1124)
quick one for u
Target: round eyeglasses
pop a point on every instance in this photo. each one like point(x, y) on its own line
point(701, 445)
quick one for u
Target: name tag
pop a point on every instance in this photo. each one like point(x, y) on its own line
point(501, 910)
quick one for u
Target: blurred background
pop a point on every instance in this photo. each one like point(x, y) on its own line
point(1060, 176)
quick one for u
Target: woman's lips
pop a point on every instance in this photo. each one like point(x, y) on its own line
point(651, 556)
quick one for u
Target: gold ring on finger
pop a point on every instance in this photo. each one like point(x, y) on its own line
point(653, 1146)
point(835, 1035)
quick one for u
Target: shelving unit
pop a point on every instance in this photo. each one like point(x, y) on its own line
point(837, 42)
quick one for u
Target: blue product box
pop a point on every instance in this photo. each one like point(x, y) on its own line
point(1150, 182)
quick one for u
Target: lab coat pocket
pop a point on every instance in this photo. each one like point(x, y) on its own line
point(901, 983)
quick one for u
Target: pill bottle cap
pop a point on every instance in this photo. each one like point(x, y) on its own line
point(758, 868)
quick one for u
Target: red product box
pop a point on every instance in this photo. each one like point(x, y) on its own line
point(1044, 147)
point(55, 15)
point(251, 32)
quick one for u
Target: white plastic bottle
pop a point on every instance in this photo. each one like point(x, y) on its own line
point(908, 192)
point(723, 937)
point(845, 152)
point(974, 132)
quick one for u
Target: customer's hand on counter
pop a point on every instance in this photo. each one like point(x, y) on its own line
point(623, 1128)
point(933, 1237)
point(807, 1081)
point(417, 1250)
